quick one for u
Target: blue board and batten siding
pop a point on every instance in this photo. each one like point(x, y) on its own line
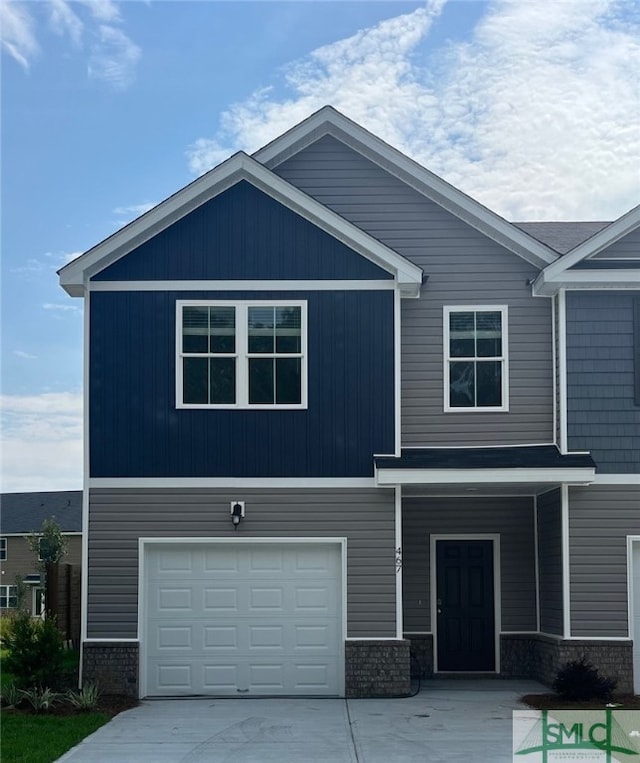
point(603, 416)
point(242, 234)
point(137, 431)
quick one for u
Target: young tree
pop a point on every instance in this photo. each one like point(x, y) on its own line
point(50, 546)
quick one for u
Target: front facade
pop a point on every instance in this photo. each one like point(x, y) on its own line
point(343, 423)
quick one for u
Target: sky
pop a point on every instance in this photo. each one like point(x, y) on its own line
point(530, 106)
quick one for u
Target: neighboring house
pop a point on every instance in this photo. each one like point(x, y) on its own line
point(21, 516)
point(337, 410)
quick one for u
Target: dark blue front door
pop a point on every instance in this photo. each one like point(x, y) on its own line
point(465, 605)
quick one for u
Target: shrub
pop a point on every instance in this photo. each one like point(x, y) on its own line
point(10, 694)
point(41, 700)
point(34, 650)
point(579, 680)
point(85, 699)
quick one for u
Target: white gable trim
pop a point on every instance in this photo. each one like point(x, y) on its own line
point(559, 273)
point(74, 277)
point(328, 121)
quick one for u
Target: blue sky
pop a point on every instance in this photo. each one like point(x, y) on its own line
point(531, 107)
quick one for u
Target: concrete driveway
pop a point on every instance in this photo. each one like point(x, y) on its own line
point(449, 720)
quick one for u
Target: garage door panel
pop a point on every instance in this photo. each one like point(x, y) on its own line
point(246, 620)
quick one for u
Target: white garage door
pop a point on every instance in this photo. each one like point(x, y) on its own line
point(240, 619)
point(635, 625)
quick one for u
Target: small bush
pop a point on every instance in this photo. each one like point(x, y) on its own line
point(10, 695)
point(579, 680)
point(85, 699)
point(34, 651)
point(41, 700)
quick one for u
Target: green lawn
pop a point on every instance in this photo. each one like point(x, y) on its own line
point(44, 738)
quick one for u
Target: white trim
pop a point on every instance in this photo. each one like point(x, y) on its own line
point(497, 602)
point(597, 638)
point(617, 479)
point(631, 539)
point(418, 633)
point(399, 561)
point(242, 354)
point(232, 482)
point(577, 475)
point(566, 569)
point(536, 561)
point(618, 279)
point(397, 371)
point(447, 310)
point(146, 542)
point(562, 370)
point(86, 477)
point(75, 533)
point(595, 244)
point(329, 121)
point(238, 167)
point(373, 638)
point(248, 285)
point(471, 447)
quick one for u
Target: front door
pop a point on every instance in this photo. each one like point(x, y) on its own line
point(465, 605)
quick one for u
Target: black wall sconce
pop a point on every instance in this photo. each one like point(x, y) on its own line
point(237, 513)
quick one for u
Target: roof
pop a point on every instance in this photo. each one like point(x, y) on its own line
point(75, 275)
point(531, 465)
point(23, 513)
point(329, 121)
point(562, 237)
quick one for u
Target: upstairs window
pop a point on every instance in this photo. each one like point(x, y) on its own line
point(3, 549)
point(241, 355)
point(475, 349)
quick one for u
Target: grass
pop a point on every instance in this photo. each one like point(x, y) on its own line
point(42, 738)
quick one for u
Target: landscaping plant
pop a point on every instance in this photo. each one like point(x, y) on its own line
point(579, 680)
point(85, 699)
point(34, 651)
point(41, 700)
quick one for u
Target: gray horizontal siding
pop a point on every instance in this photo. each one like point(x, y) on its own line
point(464, 267)
point(512, 518)
point(550, 562)
point(602, 416)
point(600, 518)
point(118, 518)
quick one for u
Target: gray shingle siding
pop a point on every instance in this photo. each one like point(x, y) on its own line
point(602, 415)
point(512, 518)
point(628, 247)
point(463, 267)
point(550, 562)
point(119, 517)
point(600, 518)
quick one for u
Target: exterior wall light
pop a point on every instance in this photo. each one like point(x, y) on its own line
point(237, 513)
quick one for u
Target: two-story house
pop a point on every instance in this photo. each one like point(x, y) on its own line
point(337, 411)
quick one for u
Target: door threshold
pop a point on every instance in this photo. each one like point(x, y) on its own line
point(469, 674)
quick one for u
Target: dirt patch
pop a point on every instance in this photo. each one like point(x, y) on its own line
point(554, 702)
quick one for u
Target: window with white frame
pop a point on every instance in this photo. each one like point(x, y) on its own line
point(475, 350)
point(3, 549)
point(8, 596)
point(241, 354)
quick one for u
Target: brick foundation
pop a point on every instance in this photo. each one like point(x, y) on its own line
point(114, 666)
point(421, 656)
point(377, 668)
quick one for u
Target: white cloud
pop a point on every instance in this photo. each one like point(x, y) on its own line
point(128, 213)
point(17, 35)
point(536, 115)
point(113, 55)
point(41, 441)
point(61, 308)
point(114, 58)
point(25, 355)
point(44, 265)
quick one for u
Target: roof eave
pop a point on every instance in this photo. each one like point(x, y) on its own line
point(616, 279)
point(505, 476)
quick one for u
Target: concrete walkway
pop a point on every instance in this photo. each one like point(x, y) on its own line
point(449, 720)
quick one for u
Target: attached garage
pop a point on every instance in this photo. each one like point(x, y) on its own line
point(242, 617)
point(634, 607)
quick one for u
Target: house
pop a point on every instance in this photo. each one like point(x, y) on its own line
point(339, 413)
point(21, 516)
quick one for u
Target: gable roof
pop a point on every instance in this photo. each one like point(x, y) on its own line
point(23, 513)
point(559, 274)
point(75, 275)
point(328, 121)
